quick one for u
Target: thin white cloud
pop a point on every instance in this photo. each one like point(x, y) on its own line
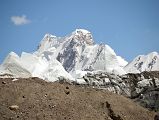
point(20, 20)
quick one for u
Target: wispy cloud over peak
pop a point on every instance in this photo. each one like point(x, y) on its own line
point(20, 20)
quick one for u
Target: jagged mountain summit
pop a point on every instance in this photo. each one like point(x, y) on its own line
point(74, 54)
point(78, 52)
point(142, 63)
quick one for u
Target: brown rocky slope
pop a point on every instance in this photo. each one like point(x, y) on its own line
point(35, 99)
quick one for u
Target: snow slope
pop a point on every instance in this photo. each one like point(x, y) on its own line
point(142, 63)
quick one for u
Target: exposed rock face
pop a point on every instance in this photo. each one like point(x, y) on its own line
point(83, 36)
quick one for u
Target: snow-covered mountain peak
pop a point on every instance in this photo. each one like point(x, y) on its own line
point(149, 62)
point(82, 35)
point(83, 31)
point(77, 51)
point(48, 36)
point(48, 43)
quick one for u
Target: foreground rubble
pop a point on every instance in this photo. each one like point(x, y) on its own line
point(142, 88)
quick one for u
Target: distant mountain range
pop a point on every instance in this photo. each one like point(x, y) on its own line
point(72, 57)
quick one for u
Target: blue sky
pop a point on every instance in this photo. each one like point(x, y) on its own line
point(130, 27)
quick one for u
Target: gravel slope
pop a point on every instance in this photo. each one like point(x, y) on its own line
point(35, 99)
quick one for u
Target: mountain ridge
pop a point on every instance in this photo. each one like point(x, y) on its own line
point(149, 62)
point(74, 54)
